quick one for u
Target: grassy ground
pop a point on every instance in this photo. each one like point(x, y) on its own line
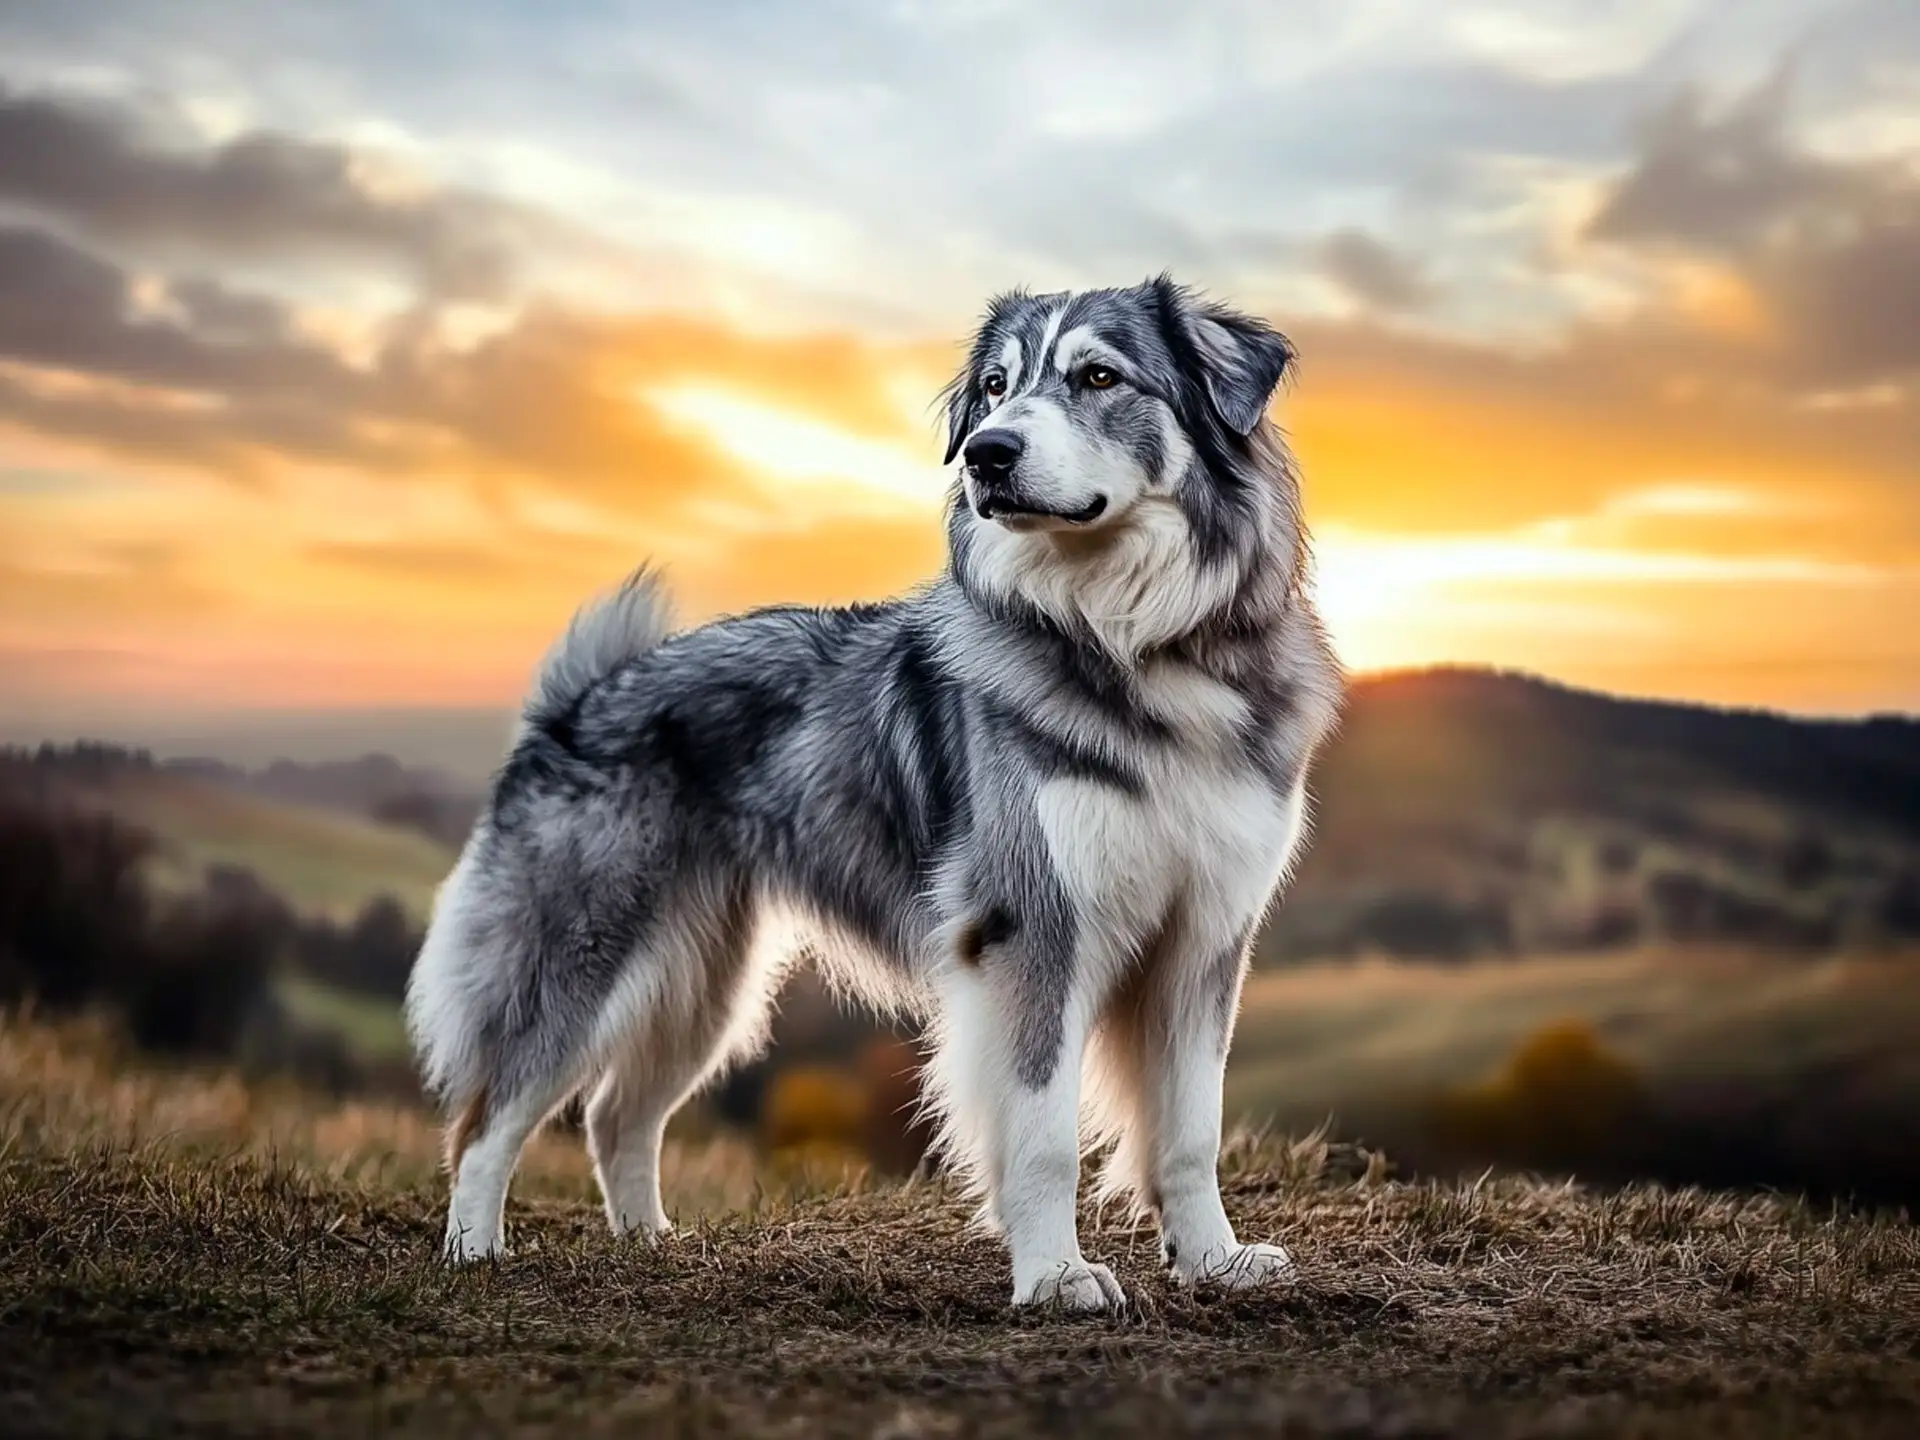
point(180, 1253)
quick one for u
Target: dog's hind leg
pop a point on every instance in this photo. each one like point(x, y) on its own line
point(512, 1014)
point(626, 1121)
point(708, 1004)
point(483, 1150)
point(491, 1043)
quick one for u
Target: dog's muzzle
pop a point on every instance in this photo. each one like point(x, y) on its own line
point(991, 458)
point(992, 505)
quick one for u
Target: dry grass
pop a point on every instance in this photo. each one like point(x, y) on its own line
point(178, 1253)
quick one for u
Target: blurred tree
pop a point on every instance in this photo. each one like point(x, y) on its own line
point(814, 1104)
point(1563, 1100)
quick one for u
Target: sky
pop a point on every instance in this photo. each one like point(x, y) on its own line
point(345, 347)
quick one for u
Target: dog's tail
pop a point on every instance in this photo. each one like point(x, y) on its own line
point(451, 990)
point(604, 635)
point(468, 979)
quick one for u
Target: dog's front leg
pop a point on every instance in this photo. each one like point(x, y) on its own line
point(1184, 1070)
point(1012, 1062)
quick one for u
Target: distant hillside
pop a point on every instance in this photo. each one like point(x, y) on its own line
point(325, 860)
point(1548, 742)
point(1464, 812)
point(360, 784)
point(1729, 900)
point(1458, 813)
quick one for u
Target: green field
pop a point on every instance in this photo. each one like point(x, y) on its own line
point(370, 1025)
point(323, 863)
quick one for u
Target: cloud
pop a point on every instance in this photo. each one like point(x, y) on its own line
point(201, 373)
point(1671, 368)
point(1374, 273)
point(1829, 247)
point(220, 313)
point(61, 306)
point(188, 372)
point(95, 167)
point(1719, 182)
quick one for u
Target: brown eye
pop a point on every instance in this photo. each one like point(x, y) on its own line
point(995, 385)
point(1098, 377)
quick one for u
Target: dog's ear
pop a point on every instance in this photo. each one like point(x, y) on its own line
point(964, 409)
point(1243, 361)
point(1238, 360)
point(966, 406)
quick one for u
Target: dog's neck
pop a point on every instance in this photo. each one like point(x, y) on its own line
point(1144, 588)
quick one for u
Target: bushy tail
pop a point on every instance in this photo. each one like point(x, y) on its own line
point(451, 987)
point(604, 634)
point(469, 969)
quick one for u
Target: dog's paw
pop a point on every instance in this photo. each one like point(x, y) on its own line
point(1073, 1285)
point(464, 1247)
point(1237, 1267)
point(643, 1234)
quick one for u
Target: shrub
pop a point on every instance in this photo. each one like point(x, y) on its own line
point(73, 907)
point(1562, 1100)
point(446, 818)
point(205, 970)
point(80, 930)
point(1692, 907)
point(372, 955)
point(813, 1105)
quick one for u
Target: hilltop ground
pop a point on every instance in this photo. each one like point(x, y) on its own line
point(180, 1253)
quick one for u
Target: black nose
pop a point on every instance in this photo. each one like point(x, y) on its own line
point(991, 453)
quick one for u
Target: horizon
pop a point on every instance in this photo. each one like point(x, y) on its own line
point(344, 352)
point(467, 743)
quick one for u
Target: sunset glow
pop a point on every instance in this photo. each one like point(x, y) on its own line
point(339, 385)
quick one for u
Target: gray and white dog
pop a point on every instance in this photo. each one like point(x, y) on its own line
point(1042, 802)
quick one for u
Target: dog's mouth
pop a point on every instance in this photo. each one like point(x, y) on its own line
point(1018, 515)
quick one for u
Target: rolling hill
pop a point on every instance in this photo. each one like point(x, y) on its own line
point(1729, 903)
point(1458, 813)
point(1463, 813)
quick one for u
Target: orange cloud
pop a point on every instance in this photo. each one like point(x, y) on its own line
point(207, 499)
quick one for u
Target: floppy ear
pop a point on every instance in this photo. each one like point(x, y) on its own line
point(1242, 361)
point(966, 406)
point(964, 409)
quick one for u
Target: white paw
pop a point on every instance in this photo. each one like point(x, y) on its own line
point(646, 1231)
point(1073, 1285)
point(466, 1247)
point(1237, 1267)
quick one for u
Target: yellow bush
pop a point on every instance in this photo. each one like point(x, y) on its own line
point(1563, 1095)
point(814, 1105)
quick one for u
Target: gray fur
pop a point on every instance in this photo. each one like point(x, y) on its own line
point(875, 769)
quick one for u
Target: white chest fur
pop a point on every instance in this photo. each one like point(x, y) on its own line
point(1206, 835)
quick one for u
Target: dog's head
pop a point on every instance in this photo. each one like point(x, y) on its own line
point(1110, 430)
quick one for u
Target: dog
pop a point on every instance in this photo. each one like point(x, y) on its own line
point(1043, 803)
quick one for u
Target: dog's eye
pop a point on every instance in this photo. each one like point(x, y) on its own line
point(995, 385)
point(1098, 377)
